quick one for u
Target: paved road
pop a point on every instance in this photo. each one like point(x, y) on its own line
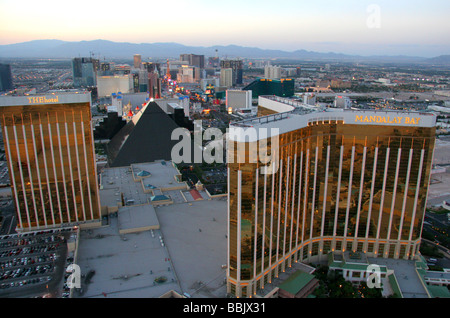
point(443, 249)
point(438, 200)
point(439, 220)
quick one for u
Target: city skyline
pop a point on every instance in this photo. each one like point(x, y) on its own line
point(254, 149)
point(352, 27)
point(349, 188)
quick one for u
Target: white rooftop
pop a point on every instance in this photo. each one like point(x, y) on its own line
point(191, 259)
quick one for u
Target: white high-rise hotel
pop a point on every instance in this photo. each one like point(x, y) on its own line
point(346, 180)
point(273, 72)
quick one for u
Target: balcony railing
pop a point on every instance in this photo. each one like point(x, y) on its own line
point(299, 109)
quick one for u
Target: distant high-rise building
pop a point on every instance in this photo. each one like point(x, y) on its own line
point(50, 152)
point(236, 66)
point(106, 69)
point(143, 81)
point(188, 74)
point(226, 77)
point(193, 59)
point(283, 87)
point(122, 69)
point(137, 60)
point(335, 180)
point(273, 72)
point(237, 99)
point(185, 74)
point(154, 85)
point(214, 62)
point(153, 67)
point(6, 82)
point(107, 85)
point(185, 58)
point(84, 71)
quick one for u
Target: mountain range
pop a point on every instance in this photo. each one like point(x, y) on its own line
point(110, 49)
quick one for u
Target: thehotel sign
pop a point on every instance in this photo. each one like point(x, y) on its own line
point(387, 120)
point(42, 100)
point(63, 98)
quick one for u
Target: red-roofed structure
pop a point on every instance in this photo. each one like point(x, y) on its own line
point(196, 195)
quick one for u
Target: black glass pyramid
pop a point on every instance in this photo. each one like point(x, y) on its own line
point(147, 140)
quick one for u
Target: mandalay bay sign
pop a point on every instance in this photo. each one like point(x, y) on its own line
point(388, 120)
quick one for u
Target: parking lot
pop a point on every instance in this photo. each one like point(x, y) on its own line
point(32, 264)
point(4, 176)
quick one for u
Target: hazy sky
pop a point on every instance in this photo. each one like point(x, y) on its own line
point(410, 27)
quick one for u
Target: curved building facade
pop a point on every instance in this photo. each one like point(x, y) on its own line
point(339, 180)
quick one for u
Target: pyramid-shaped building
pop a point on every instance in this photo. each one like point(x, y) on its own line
point(145, 138)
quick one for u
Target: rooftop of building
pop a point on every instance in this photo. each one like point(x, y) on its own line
point(42, 99)
point(438, 291)
point(408, 276)
point(405, 273)
point(137, 218)
point(296, 114)
point(186, 252)
point(285, 277)
point(138, 183)
point(438, 275)
point(148, 250)
point(296, 282)
point(125, 265)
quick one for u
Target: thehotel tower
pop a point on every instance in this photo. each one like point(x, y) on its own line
point(345, 180)
point(49, 147)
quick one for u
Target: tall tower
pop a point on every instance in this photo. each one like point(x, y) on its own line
point(236, 66)
point(337, 180)
point(84, 71)
point(49, 147)
point(193, 59)
point(6, 82)
point(137, 60)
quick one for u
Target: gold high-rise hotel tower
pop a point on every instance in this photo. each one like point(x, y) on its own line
point(49, 147)
point(346, 180)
